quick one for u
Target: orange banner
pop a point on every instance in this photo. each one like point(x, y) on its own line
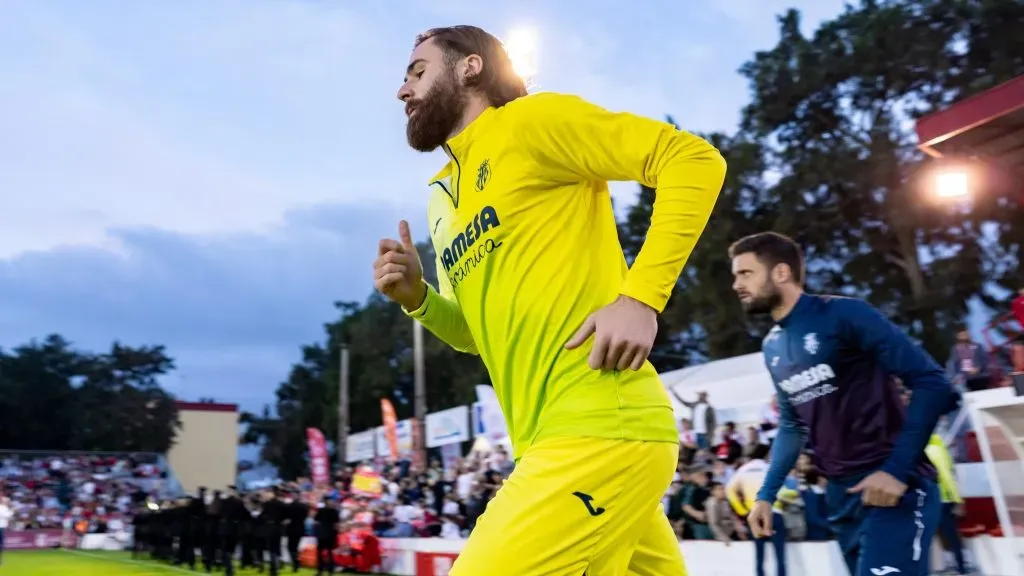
point(387, 411)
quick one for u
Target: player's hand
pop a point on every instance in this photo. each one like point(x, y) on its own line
point(879, 489)
point(623, 332)
point(397, 272)
point(760, 519)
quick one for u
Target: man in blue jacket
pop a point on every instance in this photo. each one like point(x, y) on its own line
point(833, 360)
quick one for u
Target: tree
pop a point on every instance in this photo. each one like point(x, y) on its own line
point(53, 397)
point(837, 109)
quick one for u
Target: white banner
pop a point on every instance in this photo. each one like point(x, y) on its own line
point(447, 427)
point(361, 446)
point(404, 428)
point(491, 418)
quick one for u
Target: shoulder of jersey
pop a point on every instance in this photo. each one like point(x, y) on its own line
point(539, 103)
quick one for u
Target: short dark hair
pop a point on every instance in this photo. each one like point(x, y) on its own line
point(498, 80)
point(772, 249)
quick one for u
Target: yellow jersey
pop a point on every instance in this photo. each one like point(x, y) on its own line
point(939, 456)
point(527, 247)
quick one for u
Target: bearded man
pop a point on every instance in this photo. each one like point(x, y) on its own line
point(532, 278)
point(834, 361)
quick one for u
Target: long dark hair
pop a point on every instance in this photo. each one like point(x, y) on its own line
point(497, 80)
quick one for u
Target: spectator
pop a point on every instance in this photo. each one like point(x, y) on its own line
point(1017, 347)
point(729, 448)
point(687, 440)
point(719, 515)
point(704, 423)
point(5, 518)
point(755, 442)
point(968, 366)
point(694, 512)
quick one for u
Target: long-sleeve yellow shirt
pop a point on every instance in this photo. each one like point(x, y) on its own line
point(522, 222)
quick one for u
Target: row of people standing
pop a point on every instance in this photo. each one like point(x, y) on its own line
point(223, 527)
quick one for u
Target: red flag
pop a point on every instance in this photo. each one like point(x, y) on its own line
point(387, 411)
point(319, 468)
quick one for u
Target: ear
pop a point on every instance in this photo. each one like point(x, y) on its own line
point(781, 273)
point(471, 67)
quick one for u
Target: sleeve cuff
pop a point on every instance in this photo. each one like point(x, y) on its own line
point(422, 310)
point(641, 293)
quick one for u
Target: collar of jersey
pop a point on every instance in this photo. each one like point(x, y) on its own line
point(801, 303)
point(460, 143)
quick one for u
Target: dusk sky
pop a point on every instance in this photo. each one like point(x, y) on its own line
point(211, 175)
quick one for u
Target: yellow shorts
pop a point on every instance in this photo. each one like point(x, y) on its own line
point(579, 506)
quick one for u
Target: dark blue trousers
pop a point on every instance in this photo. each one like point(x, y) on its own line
point(951, 534)
point(778, 542)
point(885, 541)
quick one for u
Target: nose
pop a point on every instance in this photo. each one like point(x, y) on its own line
point(736, 286)
point(404, 93)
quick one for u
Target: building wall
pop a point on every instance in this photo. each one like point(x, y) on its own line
point(205, 452)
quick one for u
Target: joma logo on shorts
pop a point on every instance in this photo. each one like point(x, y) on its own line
point(587, 499)
point(807, 378)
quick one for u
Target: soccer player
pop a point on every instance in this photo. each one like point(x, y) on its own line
point(832, 360)
point(532, 278)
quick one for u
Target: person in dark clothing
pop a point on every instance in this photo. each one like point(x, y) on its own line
point(211, 532)
point(274, 514)
point(196, 523)
point(141, 521)
point(233, 516)
point(186, 553)
point(832, 360)
point(297, 514)
point(325, 526)
point(246, 532)
point(260, 532)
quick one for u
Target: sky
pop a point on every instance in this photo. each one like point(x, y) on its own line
point(211, 175)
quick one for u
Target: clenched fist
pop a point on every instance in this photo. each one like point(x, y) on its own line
point(397, 272)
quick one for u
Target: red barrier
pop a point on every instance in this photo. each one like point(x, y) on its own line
point(434, 563)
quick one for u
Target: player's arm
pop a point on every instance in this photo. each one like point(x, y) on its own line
point(440, 313)
point(932, 396)
point(572, 140)
point(789, 442)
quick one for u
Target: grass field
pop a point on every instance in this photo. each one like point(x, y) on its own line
point(82, 563)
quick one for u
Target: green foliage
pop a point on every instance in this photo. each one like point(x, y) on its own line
point(54, 397)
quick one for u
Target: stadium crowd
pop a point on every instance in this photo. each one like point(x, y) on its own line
point(85, 493)
point(117, 494)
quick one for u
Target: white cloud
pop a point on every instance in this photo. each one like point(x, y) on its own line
point(212, 175)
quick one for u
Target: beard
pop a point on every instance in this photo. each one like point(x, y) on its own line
point(767, 298)
point(436, 114)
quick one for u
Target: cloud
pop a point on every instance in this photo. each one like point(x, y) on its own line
point(231, 308)
point(213, 175)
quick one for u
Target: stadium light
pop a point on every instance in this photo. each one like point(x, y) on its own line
point(521, 46)
point(952, 184)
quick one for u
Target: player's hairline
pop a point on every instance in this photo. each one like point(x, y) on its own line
point(765, 246)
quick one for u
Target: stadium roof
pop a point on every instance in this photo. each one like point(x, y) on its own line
point(989, 126)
